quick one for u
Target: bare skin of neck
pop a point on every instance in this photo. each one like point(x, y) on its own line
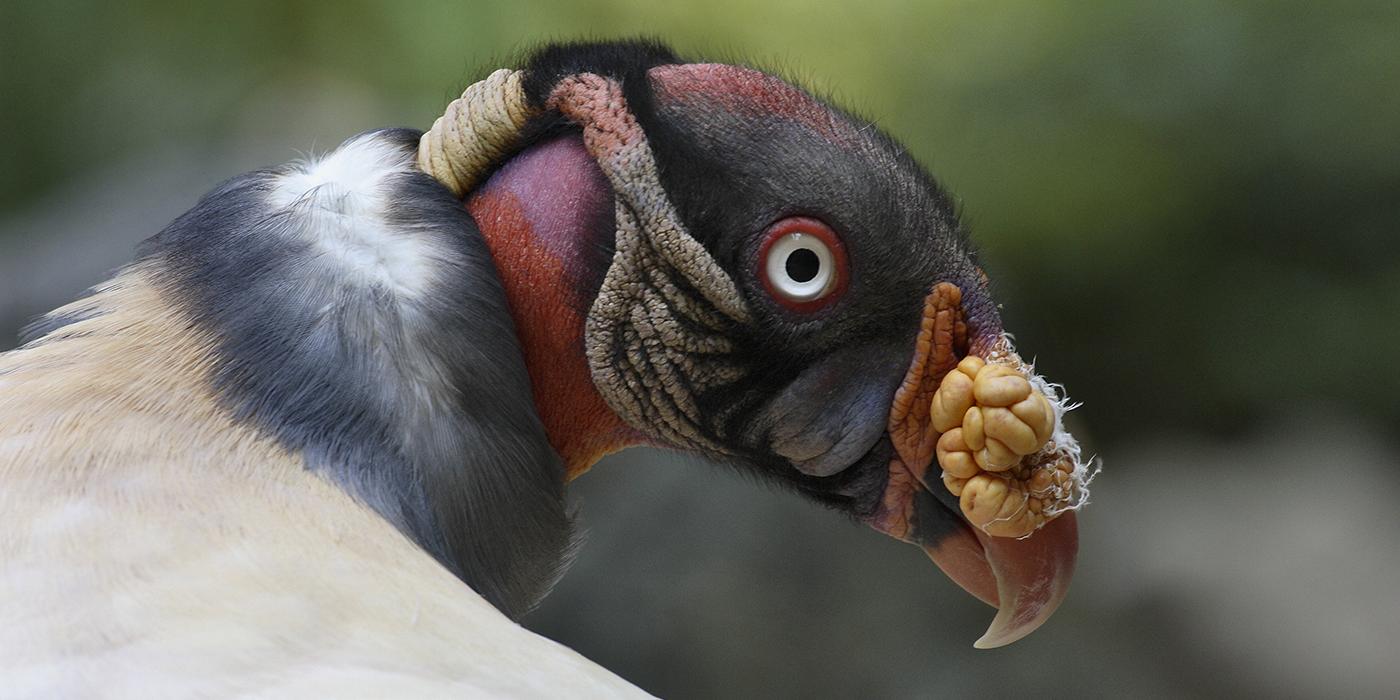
point(538, 214)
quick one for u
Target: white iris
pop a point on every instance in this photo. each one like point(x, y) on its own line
point(800, 267)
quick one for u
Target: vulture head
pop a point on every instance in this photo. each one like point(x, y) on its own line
point(705, 258)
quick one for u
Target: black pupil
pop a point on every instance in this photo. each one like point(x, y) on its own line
point(802, 265)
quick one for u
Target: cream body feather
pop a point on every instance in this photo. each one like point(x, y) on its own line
point(153, 546)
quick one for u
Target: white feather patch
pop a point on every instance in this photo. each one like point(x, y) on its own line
point(340, 201)
point(1063, 443)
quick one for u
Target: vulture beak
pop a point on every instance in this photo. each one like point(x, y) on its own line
point(1026, 577)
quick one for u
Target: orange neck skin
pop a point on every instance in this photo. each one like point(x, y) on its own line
point(543, 215)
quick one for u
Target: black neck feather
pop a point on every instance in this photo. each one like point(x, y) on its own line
point(419, 405)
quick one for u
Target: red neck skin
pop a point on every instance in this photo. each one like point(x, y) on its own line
point(540, 215)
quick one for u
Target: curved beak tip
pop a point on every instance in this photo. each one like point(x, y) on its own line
point(1005, 630)
point(1033, 577)
point(1026, 580)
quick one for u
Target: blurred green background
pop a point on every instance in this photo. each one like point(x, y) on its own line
point(1190, 211)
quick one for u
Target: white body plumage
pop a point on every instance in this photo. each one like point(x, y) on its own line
point(155, 546)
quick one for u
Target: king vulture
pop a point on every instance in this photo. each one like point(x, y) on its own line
point(314, 440)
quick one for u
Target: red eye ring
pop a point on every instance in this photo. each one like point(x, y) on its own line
point(802, 264)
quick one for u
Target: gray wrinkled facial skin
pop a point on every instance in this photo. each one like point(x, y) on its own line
point(801, 398)
point(656, 330)
point(738, 151)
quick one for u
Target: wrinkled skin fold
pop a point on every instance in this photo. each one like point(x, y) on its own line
point(687, 348)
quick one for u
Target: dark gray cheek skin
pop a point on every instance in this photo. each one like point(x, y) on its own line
point(834, 412)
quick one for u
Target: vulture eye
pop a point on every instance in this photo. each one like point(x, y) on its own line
point(802, 264)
